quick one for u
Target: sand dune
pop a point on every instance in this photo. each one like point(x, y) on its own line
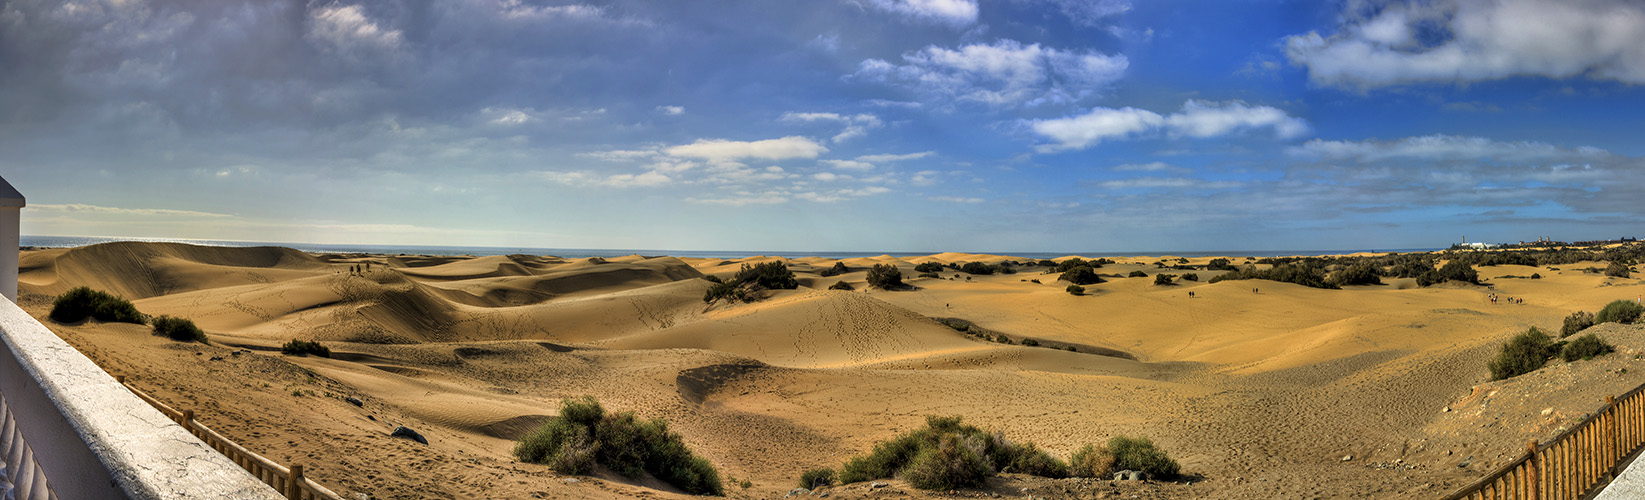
point(1259, 392)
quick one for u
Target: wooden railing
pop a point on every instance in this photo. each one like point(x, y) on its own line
point(1574, 464)
point(288, 481)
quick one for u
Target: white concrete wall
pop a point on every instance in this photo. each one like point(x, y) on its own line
point(10, 226)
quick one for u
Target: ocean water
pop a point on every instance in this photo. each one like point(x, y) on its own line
point(579, 253)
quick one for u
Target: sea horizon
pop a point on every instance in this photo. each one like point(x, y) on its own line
point(38, 241)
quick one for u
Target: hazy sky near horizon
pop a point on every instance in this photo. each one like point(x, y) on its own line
point(849, 125)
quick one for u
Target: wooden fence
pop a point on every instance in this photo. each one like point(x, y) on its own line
point(288, 481)
point(1574, 464)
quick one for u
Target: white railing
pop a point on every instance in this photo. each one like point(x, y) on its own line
point(69, 431)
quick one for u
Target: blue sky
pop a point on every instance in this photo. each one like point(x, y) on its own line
point(845, 125)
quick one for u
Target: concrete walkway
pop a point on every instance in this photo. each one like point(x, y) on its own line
point(1629, 485)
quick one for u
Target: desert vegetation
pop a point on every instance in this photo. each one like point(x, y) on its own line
point(1075, 290)
point(82, 302)
point(178, 329)
point(1523, 354)
point(885, 277)
point(948, 454)
point(584, 435)
point(838, 269)
point(1080, 275)
point(1619, 311)
point(304, 347)
point(773, 275)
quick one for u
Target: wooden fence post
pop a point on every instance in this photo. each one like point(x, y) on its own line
point(1612, 448)
point(1533, 468)
point(294, 484)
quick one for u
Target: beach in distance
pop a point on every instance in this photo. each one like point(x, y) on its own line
point(1302, 375)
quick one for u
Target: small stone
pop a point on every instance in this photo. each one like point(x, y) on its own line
point(216, 358)
point(877, 484)
point(406, 432)
point(797, 492)
point(354, 401)
point(573, 480)
point(1547, 410)
point(1447, 409)
point(1346, 458)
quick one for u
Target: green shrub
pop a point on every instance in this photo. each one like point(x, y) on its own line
point(1525, 353)
point(842, 285)
point(930, 275)
point(838, 269)
point(1219, 264)
point(955, 462)
point(1536, 276)
point(1190, 277)
point(300, 347)
point(1619, 311)
point(1076, 289)
point(1586, 347)
point(723, 290)
point(773, 275)
point(948, 454)
point(1301, 273)
point(1080, 275)
point(83, 302)
point(1455, 270)
point(1617, 269)
point(885, 276)
point(1140, 454)
point(178, 329)
point(712, 278)
point(1137, 274)
point(977, 268)
point(584, 434)
point(1030, 342)
point(1091, 461)
point(928, 267)
point(1576, 322)
point(1163, 279)
point(818, 477)
point(1357, 274)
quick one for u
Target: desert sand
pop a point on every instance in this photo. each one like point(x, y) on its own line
point(1257, 394)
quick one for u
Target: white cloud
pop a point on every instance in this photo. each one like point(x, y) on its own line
point(925, 177)
point(721, 150)
point(1198, 119)
point(583, 178)
point(1167, 183)
point(1090, 12)
point(950, 12)
point(744, 198)
point(1151, 167)
point(841, 194)
point(891, 157)
point(1003, 73)
point(1478, 40)
point(855, 125)
point(621, 154)
point(829, 176)
point(507, 117)
point(955, 199)
point(671, 110)
point(848, 164)
point(347, 29)
point(79, 208)
point(1441, 147)
point(1206, 119)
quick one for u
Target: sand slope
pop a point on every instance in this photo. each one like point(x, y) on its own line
point(1258, 392)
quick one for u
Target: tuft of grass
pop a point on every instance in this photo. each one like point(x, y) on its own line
point(1140, 454)
point(83, 302)
point(1076, 290)
point(816, 478)
point(584, 434)
point(948, 454)
point(1586, 347)
point(955, 462)
point(1576, 322)
point(301, 347)
point(1091, 461)
point(1619, 311)
point(178, 329)
point(1523, 354)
